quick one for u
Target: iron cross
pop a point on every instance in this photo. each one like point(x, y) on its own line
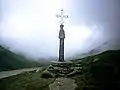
point(61, 16)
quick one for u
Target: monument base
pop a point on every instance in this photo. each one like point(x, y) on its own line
point(64, 69)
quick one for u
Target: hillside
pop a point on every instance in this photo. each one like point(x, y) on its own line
point(101, 71)
point(10, 60)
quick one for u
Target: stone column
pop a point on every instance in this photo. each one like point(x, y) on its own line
point(61, 45)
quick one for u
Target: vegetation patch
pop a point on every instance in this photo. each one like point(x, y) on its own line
point(100, 72)
point(46, 74)
point(26, 81)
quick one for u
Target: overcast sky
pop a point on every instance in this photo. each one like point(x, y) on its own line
point(31, 28)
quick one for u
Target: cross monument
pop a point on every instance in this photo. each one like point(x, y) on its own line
point(61, 35)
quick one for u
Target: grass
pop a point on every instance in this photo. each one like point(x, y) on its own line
point(26, 81)
point(103, 74)
point(84, 82)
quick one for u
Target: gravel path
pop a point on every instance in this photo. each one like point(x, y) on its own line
point(4, 74)
point(63, 84)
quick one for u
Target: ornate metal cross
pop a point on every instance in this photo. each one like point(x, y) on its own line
point(61, 16)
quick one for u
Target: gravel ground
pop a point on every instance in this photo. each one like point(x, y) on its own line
point(63, 84)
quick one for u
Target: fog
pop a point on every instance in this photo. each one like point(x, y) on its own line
point(30, 27)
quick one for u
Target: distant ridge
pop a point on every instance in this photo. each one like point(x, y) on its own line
point(111, 45)
point(11, 61)
point(105, 54)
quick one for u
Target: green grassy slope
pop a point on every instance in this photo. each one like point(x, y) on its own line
point(10, 60)
point(26, 81)
point(101, 71)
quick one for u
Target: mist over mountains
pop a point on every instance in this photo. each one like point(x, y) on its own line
point(11, 61)
point(113, 44)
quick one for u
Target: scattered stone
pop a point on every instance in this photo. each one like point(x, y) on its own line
point(96, 59)
point(37, 70)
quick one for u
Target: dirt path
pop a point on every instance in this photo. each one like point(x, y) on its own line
point(63, 84)
point(4, 74)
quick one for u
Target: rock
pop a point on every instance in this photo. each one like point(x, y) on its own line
point(47, 74)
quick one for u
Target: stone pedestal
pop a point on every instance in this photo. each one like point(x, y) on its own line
point(63, 69)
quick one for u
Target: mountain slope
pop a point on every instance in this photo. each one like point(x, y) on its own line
point(10, 60)
point(102, 70)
